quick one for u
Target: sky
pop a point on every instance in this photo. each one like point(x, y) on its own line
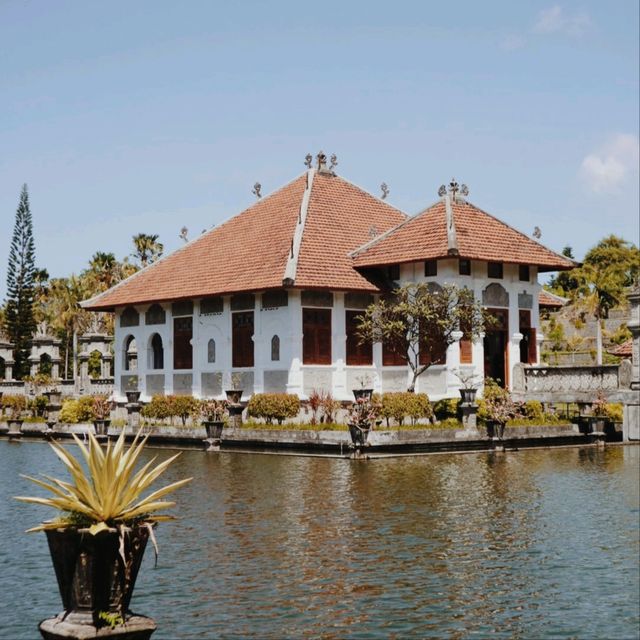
point(147, 116)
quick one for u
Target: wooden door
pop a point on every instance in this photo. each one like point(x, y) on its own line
point(242, 339)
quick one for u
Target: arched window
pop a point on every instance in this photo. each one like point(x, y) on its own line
point(45, 365)
point(3, 369)
point(275, 348)
point(155, 315)
point(211, 350)
point(130, 359)
point(129, 318)
point(157, 352)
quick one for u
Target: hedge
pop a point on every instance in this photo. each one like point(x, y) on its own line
point(273, 406)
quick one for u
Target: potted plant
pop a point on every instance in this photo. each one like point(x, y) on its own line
point(470, 383)
point(213, 414)
point(99, 538)
point(498, 409)
point(17, 406)
point(101, 414)
point(361, 419)
point(365, 391)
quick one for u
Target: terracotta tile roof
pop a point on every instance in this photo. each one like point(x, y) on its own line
point(250, 251)
point(480, 236)
point(340, 218)
point(624, 350)
point(548, 299)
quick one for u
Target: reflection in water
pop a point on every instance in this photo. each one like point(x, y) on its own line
point(530, 544)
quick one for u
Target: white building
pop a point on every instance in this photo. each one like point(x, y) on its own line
point(271, 296)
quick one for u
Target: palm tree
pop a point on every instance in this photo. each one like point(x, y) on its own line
point(147, 248)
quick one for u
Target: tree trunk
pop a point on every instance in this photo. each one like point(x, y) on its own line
point(598, 341)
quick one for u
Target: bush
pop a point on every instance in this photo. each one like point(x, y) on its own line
point(398, 405)
point(38, 406)
point(183, 406)
point(273, 406)
point(158, 409)
point(533, 410)
point(15, 405)
point(614, 412)
point(74, 411)
point(447, 408)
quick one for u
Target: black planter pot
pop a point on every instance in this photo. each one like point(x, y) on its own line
point(15, 425)
point(495, 429)
point(234, 395)
point(468, 395)
point(214, 429)
point(101, 427)
point(362, 393)
point(92, 576)
point(132, 396)
point(358, 436)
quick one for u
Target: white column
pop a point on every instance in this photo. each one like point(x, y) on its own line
point(453, 361)
point(339, 348)
point(259, 348)
point(196, 355)
point(295, 384)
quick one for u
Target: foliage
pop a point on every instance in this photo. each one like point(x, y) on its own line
point(329, 407)
point(363, 413)
point(566, 282)
point(418, 323)
point(213, 410)
point(183, 407)
point(15, 405)
point(108, 493)
point(94, 364)
point(446, 408)
point(147, 248)
point(112, 620)
point(159, 408)
point(554, 332)
point(79, 410)
point(497, 403)
point(38, 406)
point(620, 335)
point(297, 426)
point(399, 405)
point(533, 410)
point(449, 423)
point(315, 399)
point(273, 406)
point(101, 408)
point(20, 322)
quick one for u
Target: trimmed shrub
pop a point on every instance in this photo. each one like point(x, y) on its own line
point(447, 408)
point(158, 409)
point(74, 411)
point(38, 406)
point(273, 406)
point(183, 406)
point(402, 404)
point(533, 410)
point(14, 405)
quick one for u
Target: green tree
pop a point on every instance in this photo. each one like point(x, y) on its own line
point(609, 269)
point(419, 323)
point(147, 248)
point(19, 317)
point(565, 283)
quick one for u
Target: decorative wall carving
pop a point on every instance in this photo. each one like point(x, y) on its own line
point(495, 295)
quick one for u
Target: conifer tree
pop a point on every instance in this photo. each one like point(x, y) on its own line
point(19, 319)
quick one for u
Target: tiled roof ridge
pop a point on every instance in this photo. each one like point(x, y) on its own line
point(190, 243)
point(554, 295)
point(291, 267)
point(368, 245)
point(526, 237)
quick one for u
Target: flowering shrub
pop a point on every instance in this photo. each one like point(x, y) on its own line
point(213, 410)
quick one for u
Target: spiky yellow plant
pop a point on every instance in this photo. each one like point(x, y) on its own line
point(108, 493)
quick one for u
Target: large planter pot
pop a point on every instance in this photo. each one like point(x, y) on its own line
point(14, 424)
point(495, 429)
point(468, 396)
point(362, 393)
point(54, 397)
point(358, 436)
point(92, 575)
point(132, 396)
point(234, 395)
point(213, 428)
point(101, 426)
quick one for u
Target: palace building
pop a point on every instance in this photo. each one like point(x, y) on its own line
point(271, 297)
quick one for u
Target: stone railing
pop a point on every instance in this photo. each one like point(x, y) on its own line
point(570, 383)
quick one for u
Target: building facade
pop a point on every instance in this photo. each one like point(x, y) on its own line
point(269, 300)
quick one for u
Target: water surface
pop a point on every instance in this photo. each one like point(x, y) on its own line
point(531, 544)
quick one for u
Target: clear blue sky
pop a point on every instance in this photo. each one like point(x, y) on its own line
point(128, 117)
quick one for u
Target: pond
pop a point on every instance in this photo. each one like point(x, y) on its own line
point(530, 544)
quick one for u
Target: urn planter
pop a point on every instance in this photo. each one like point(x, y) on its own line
point(468, 396)
point(213, 428)
point(362, 393)
point(495, 430)
point(234, 395)
point(15, 425)
point(358, 435)
point(53, 397)
point(132, 396)
point(96, 573)
point(101, 425)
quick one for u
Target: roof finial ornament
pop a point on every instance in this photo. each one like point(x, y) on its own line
point(537, 233)
point(442, 191)
point(385, 190)
point(256, 190)
point(321, 159)
point(308, 159)
point(334, 161)
point(454, 187)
